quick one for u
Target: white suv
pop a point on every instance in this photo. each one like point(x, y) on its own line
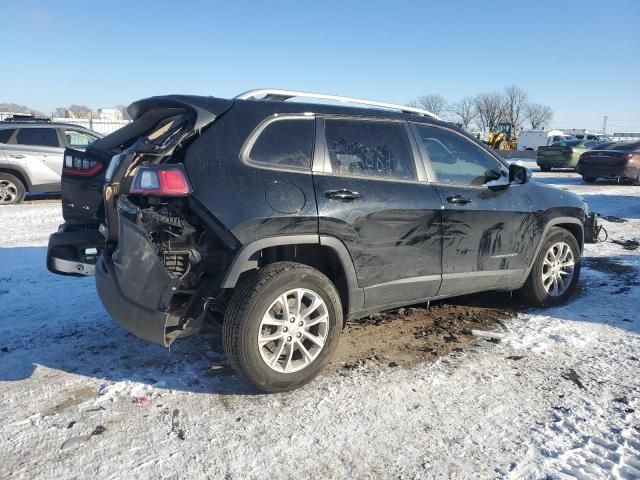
point(31, 155)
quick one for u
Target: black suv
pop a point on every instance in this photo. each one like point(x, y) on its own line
point(286, 219)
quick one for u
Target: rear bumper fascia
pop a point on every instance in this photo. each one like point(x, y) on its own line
point(136, 288)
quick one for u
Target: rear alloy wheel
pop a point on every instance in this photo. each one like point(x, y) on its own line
point(588, 179)
point(12, 190)
point(293, 330)
point(282, 326)
point(556, 270)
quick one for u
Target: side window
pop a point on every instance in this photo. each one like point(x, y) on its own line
point(285, 143)
point(42, 137)
point(5, 134)
point(456, 160)
point(369, 149)
point(78, 140)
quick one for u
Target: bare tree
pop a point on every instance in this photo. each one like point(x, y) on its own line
point(61, 112)
point(15, 108)
point(125, 113)
point(436, 104)
point(515, 103)
point(490, 111)
point(79, 111)
point(464, 111)
point(538, 115)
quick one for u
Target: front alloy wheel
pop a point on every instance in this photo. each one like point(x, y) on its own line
point(557, 269)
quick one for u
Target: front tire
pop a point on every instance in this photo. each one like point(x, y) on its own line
point(555, 272)
point(12, 190)
point(282, 326)
point(588, 179)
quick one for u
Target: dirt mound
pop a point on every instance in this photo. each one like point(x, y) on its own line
point(407, 336)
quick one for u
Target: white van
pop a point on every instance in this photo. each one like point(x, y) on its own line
point(532, 139)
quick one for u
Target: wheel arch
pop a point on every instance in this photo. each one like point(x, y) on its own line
point(325, 253)
point(19, 174)
point(573, 225)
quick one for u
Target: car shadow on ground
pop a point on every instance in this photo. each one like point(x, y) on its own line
point(58, 323)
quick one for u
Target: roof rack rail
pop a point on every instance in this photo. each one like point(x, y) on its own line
point(25, 117)
point(275, 94)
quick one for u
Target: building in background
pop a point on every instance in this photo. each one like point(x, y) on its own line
point(110, 114)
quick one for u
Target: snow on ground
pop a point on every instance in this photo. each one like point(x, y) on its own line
point(82, 398)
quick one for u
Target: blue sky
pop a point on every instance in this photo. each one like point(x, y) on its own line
point(580, 57)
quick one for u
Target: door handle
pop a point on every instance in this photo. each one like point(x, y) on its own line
point(461, 199)
point(16, 155)
point(343, 195)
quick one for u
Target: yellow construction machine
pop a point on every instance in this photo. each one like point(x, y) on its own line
point(505, 138)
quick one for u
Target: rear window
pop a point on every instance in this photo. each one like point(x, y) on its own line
point(370, 149)
point(285, 143)
point(5, 134)
point(42, 137)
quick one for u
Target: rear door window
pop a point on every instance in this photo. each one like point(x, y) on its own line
point(285, 143)
point(376, 149)
point(41, 137)
point(6, 134)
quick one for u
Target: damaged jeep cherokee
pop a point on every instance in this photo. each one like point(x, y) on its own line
point(285, 219)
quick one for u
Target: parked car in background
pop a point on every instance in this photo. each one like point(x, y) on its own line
point(31, 155)
point(598, 137)
point(284, 219)
point(617, 160)
point(563, 154)
point(533, 139)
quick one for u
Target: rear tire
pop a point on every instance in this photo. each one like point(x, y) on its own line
point(589, 179)
point(559, 259)
point(298, 344)
point(636, 182)
point(12, 190)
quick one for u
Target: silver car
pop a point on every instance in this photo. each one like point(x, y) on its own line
point(31, 155)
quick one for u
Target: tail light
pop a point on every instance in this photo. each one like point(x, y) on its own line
point(161, 181)
point(83, 167)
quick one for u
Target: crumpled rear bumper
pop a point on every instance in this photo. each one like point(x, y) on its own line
point(136, 288)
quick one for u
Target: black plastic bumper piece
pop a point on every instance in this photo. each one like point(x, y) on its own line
point(136, 288)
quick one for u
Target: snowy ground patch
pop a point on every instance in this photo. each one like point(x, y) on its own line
point(82, 398)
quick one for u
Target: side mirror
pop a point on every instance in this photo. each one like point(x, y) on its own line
point(519, 174)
